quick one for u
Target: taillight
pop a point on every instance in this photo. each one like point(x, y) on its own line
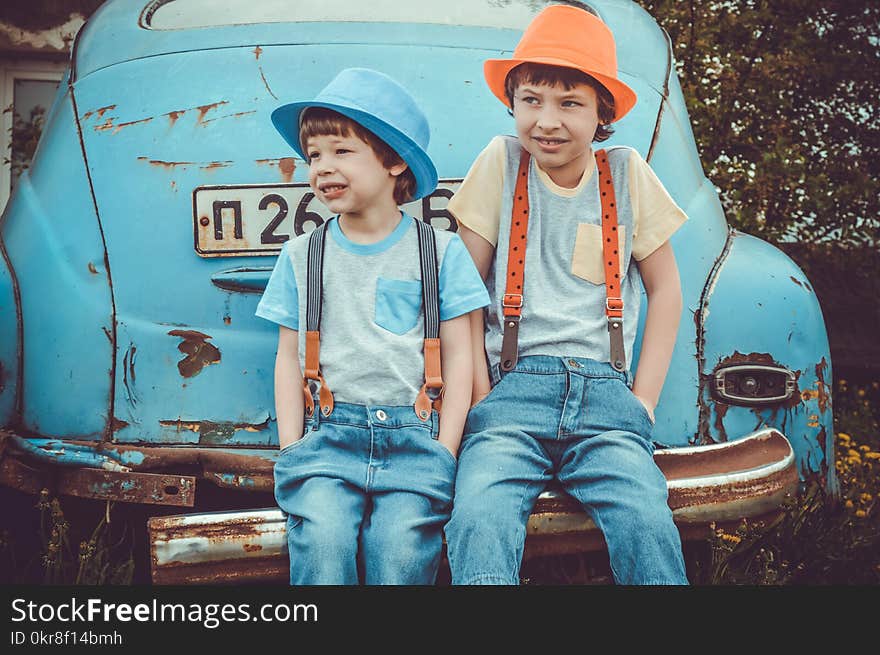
point(754, 384)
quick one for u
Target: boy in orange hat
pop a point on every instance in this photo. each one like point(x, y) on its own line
point(565, 236)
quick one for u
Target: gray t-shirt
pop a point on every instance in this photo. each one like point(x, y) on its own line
point(564, 295)
point(372, 324)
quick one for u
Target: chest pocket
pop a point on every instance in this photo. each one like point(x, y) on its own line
point(587, 261)
point(398, 304)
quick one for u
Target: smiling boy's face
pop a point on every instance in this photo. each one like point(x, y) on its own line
point(556, 126)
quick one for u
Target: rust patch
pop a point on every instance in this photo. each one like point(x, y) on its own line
point(821, 386)
point(166, 164)
point(199, 353)
point(252, 548)
point(170, 165)
point(118, 424)
point(214, 432)
point(100, 112)
point(204, 109)
point(235, 115)
point(720, 412)
point(130, 123)
point(266, 84)
point(173, 116)
point(227, 320)
point(258, 51)
point(795, 280)
point(92, 269)
point(106, 125)
point(109, 336)
point(287, 166)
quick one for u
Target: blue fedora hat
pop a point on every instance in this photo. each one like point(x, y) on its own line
point(379, 104)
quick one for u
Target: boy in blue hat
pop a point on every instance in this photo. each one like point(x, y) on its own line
point(367, 463)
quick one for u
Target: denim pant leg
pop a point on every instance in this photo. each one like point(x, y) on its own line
point(323, 521)
point(608, 466)
point(500, 475)
point(614, 477)
point(502, 469)
point(411, 497)
point(316, 486)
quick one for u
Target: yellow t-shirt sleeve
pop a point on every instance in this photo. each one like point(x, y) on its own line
point(656, 217)
point(477, 202)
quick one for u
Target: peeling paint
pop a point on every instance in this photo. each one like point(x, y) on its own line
point(720, 412)
point(286, 165)
point(92, 269)
point(170, 165)
point(130, 123)
point(214, 432)
point(118, 424)
point(266, 84)
point(258, 51)
point(100, 112)
point(821, 386)
point(199, 353)
point(795, 280)
point(173, 116)
point(236, 115)
point(204, 109)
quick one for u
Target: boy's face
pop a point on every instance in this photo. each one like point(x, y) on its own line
point(347, 176)
point(557, 125)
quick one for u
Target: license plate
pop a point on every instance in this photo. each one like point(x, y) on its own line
point(256, 219)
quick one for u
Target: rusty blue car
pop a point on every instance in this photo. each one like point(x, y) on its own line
point(136, 247)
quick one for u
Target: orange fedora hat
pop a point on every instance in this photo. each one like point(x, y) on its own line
point(562, 35)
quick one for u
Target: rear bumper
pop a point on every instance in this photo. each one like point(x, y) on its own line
point(719, 483)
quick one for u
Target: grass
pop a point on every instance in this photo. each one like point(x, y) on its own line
point(814, 542)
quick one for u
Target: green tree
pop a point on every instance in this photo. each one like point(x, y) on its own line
point(782, 96)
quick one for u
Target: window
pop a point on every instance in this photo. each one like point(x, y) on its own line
point(26, 94)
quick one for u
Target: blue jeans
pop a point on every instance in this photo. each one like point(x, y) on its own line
point(576, 420)
point(366, 492)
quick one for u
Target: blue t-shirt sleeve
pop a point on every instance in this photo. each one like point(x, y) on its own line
point(461, 287)
point(280, 301)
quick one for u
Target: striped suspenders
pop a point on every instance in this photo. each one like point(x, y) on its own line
point(431, 392)
point(512, 302)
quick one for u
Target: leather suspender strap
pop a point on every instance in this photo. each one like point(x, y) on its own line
point(314, 289)
point(431, 304)
point(431, 307)
point(610, 246)
point(516, 257)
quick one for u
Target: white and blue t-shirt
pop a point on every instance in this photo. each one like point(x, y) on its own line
point(372, 325)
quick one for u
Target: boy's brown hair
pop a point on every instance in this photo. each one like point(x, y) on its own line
point(531, 73)
point(318, 121)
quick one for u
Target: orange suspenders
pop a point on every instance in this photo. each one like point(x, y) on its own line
point(512, 301)
point(430, 305)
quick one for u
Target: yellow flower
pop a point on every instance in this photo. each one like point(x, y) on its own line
point(872, 455)
point(861, 393)
point(848, 503)
point(844, 437)
point(866, 498)
point(731, 538)
point(853, 454)
point(861, 513)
